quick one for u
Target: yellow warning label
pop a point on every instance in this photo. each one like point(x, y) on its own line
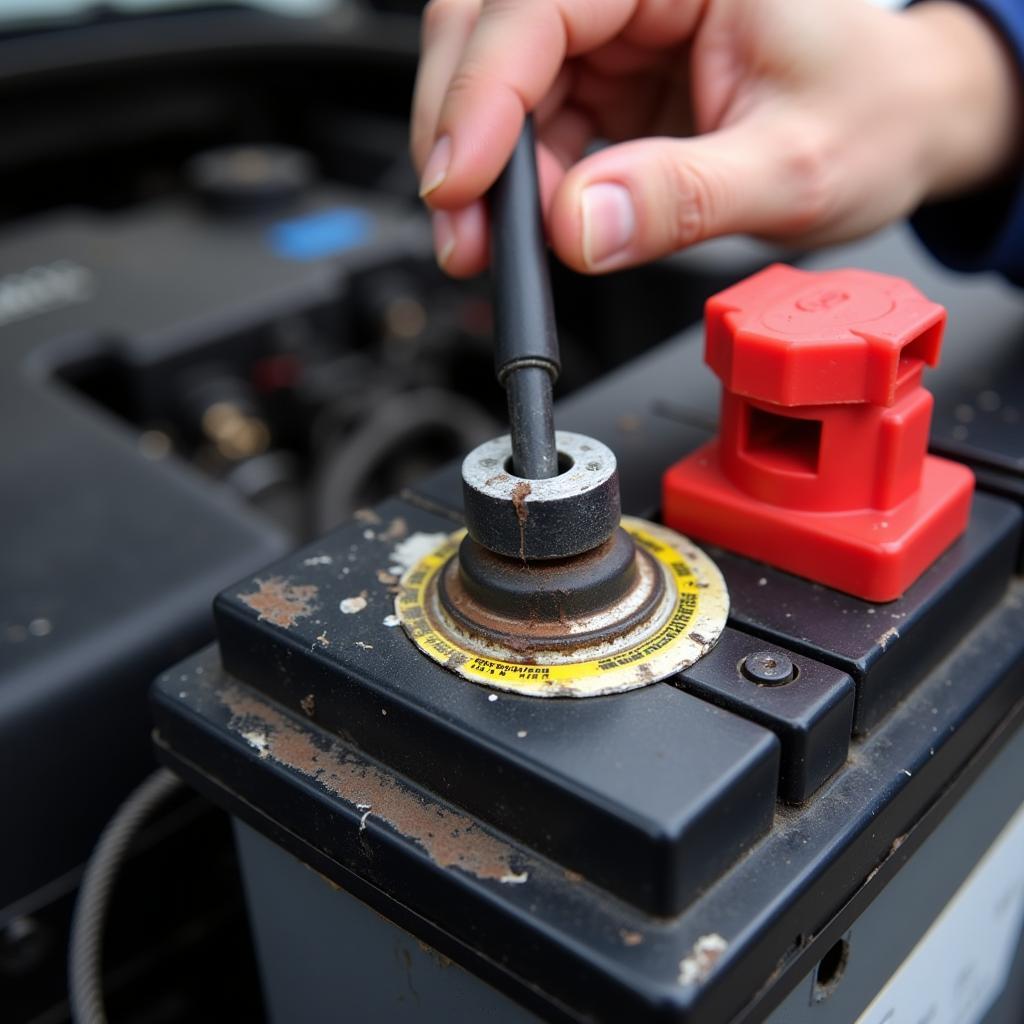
point(696, 620)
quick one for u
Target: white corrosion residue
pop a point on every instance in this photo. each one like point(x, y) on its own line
point(887, 637)
point(351, 605)
point(367, 811)
point(391, 620)
point(707, 951)
point(413, 549)
point(318, 560)
point(258, 739)
point(514, 879)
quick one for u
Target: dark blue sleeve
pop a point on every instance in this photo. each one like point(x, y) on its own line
point(984, 230)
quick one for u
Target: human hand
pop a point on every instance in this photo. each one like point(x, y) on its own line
point(799, 120)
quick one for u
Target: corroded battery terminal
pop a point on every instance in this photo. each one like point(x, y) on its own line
point(549, 591)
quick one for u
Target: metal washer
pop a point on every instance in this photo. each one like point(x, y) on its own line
point(559, 517)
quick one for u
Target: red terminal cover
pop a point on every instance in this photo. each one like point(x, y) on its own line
point(821, 464)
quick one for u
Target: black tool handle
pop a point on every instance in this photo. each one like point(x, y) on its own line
point(526, 345)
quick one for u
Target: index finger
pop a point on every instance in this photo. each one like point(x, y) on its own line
point(445, 29)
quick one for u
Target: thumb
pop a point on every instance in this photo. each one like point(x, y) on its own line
point(640, 200)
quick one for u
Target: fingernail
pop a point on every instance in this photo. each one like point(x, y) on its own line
point(435, 170)
point(444, 236)
point(609, 222)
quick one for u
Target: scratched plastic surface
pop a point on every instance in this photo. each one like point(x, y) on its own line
point(658, 793)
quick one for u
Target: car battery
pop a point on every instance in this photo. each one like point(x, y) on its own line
point(819, 820)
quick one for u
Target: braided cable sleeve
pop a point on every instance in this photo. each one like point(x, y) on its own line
point(85, 951)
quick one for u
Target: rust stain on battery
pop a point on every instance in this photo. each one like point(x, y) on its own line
point(451, 839)
point(396, 530)
point(281, 602)
point(520, 493)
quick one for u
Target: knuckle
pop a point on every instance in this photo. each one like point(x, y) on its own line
point(473, 82)
point(696, 196)
point(474, 87)
point(810, 166)
point(464, 84)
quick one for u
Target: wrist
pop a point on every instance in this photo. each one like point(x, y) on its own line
point(970, 104)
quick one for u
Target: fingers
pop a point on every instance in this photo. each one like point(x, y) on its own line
point(510, 62)
point(446, 28)
point(487, 62)
point(462, 237)
point(640, 200)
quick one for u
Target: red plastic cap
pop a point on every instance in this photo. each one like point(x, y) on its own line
point(793, 337)
point(821, 464)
